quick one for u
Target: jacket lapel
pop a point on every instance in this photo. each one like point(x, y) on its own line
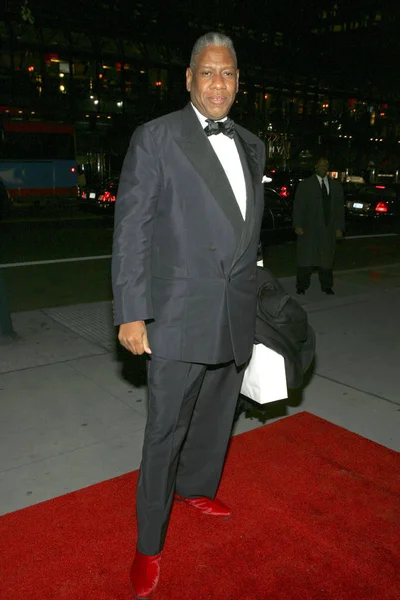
point(195, 145)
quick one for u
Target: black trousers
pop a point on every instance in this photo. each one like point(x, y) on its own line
point(304, 278)
point(191, 411)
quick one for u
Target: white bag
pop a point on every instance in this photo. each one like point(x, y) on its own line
point(265, 376)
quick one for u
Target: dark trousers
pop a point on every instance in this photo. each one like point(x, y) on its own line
point(191, 411)
point(304, 278)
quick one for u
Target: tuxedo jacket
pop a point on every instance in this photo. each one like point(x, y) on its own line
point(184, 260)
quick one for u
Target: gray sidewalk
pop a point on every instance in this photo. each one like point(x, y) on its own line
point(73, 404)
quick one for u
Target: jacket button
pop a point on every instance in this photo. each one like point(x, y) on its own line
point(212, 248)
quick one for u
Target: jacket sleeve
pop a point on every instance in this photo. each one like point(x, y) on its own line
point(298, 205)
point(135, 211)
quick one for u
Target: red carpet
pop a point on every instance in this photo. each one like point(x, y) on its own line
point(316, 516)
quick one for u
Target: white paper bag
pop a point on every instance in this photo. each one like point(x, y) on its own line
point(265, 376)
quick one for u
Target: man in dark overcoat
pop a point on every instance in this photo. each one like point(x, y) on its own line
point(187, 228)
point(318, 219)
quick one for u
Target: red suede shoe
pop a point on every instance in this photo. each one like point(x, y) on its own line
point(145, 573)
point(213, 508)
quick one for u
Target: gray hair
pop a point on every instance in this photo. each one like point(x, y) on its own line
point(211, 39)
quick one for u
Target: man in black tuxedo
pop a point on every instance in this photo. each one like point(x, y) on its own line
point(187, 225)
point(318, 218)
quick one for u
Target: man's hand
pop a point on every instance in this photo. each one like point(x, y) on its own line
point(299, 231)
point(133, 337)
point(339, 233)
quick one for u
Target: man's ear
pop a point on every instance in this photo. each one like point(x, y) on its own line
point(189, 77)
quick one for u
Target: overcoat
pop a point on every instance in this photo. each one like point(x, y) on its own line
point(316, 247)
point(184, 260)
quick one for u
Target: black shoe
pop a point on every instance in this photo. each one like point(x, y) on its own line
point(300, 292)
point(329, 292)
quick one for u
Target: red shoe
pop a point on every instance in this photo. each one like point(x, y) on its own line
point(213, 508)
point(145, 573)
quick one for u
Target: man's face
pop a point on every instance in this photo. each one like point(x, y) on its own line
point(322, 168)
point(214, 82)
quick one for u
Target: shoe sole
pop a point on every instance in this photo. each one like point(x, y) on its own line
point(203, 513)
point(214, 516)
point(141, 597)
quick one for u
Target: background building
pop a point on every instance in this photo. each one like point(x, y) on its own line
point(314, 77)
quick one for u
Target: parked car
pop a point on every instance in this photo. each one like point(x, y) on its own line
point(277, 223)
point(285, 182)
point(99, 196)
point(377, 202)
point(352, 186)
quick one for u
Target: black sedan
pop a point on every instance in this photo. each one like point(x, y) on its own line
point(277, 223)
point(286, 181)
point(376, 203)
point(100, 195)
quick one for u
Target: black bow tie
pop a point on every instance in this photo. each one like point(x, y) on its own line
point(226, 127)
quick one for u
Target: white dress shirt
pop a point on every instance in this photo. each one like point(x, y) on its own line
point(228, 155)
point(325, 180)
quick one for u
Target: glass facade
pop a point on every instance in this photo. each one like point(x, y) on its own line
point(107, 84)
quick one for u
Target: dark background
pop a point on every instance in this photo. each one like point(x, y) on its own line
point(315, 76)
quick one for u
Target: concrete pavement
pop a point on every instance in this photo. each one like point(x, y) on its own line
point(73, 403)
